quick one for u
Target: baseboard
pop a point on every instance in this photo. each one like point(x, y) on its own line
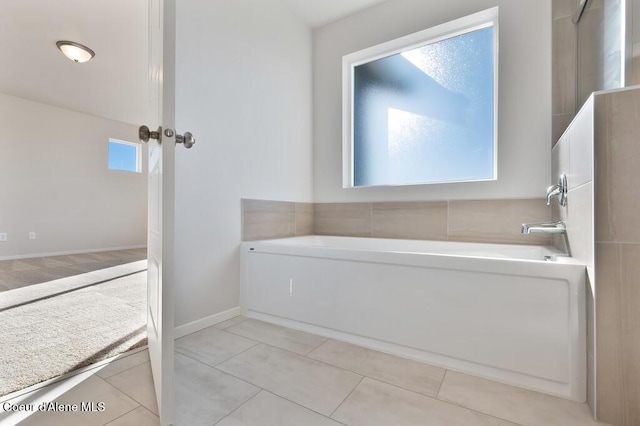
point(203, 323)
point(64, 253)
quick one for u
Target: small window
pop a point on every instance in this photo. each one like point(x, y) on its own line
point(124, 156)
point(422, 109)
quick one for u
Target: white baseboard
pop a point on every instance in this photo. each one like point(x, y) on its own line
point(64, 253)
point(203, 323)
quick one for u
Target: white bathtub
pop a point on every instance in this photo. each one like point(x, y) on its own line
point(497, 311)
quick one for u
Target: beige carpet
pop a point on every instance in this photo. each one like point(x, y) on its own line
point(59, 334)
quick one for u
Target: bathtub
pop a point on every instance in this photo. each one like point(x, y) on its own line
point(498, 311)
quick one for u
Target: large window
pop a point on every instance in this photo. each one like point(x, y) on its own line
point(124, 156)
point(422, 108)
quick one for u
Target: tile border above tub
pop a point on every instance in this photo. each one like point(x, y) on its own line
point(486, 221)
point(266, 219)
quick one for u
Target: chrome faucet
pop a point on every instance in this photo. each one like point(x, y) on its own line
point(558, 227)
point(559, 190)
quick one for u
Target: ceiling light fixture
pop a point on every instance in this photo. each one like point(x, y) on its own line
point(75, 51)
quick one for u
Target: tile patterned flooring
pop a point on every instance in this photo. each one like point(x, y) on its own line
point(245, 372)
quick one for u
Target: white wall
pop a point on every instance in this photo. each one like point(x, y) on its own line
point(54, 181)
point(524, 131)
point(243, 87)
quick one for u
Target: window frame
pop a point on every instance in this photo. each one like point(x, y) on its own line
point(138, 148)
point(484, 19)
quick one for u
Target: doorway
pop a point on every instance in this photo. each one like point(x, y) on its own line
point(72, 232)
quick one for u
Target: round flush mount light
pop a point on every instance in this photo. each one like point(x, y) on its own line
point(75, 51)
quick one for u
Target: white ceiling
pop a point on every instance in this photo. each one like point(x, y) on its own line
point(317, 13)
point(113, 84)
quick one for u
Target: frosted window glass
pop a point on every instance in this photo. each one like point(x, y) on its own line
point(426, 115)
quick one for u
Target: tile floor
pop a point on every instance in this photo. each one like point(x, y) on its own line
point(245, 372)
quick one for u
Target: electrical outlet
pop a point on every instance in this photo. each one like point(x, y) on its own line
point(32, 235)
point(3, 236)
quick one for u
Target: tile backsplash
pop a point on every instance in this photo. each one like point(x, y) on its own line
point(264, 219)
point(486, 221)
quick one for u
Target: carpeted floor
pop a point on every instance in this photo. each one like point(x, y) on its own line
point(25, 272)
point(56, 335)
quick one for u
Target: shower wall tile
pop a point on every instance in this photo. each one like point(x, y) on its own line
point(410, 220)
point(591, 318)
point(617, 170)
point(263, 219)
point(497, 221)
point(580, 223)
point(591, 384)
point(581, 147)
point(303, 218)
point(618, 342)
point(562, 8)
point(559, 164)
point(346, 219)
point(559, 124)
point(635, 71)
point(564, 66)
point(591, 73)
point(486, 221)
point(573, 155)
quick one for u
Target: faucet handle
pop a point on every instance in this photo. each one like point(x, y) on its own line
point(559, 190)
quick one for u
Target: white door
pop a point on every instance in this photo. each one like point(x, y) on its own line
point(160, 231)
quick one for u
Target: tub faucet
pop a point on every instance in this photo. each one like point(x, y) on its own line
point(558, 227)
point(544, 228)
point(559, 190)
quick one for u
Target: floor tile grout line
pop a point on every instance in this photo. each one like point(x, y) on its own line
point(122, 415)
point(436, 396)
point(272, 345)
point(222, 371)
point(126, 394)
point(267, 390)
point(379, 379)
point(120, 359)
point(225, 328)
point(278, 396)
point(260, 390)
point(453, 404)
point(346, 397)
point(326, 339)
point(192, 356)
point(274, 393)
point(444, 376)
point(340, 367)
point(260, 341)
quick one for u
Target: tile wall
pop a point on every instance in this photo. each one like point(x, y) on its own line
point(601, 155)
point(564, 59)
point(263, 219)
point(486, 221)
point(617, 256)
point(573, 155)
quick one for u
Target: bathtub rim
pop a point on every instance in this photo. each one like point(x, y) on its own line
point(302, 241)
